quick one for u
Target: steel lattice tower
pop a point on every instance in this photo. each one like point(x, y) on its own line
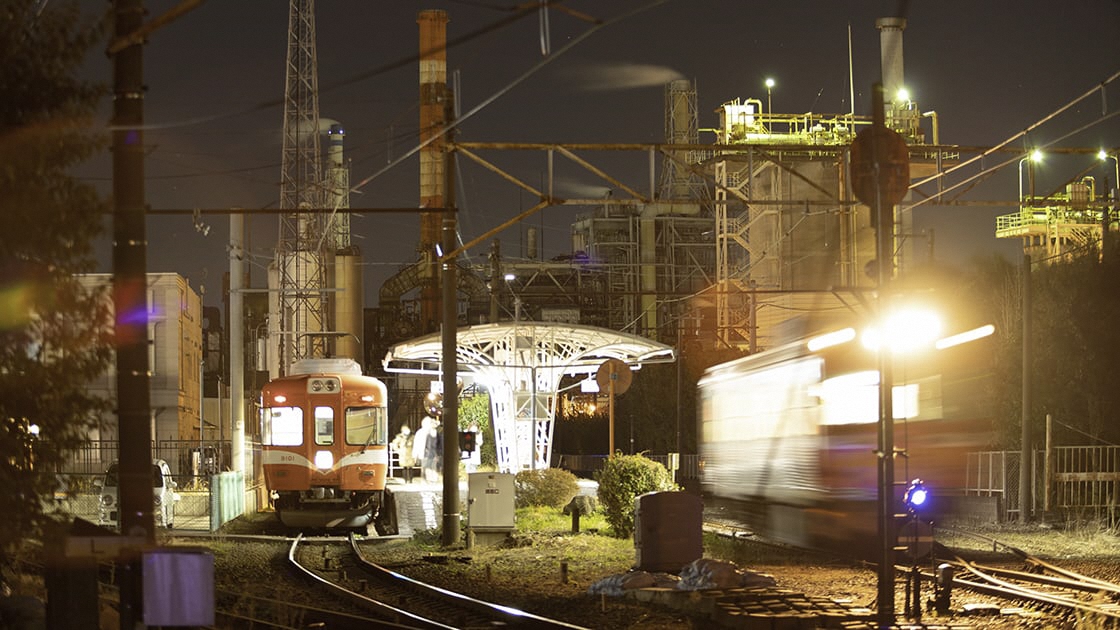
point(299, 302)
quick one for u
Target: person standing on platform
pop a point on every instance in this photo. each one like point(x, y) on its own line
point(421, 450)
point(402, 446)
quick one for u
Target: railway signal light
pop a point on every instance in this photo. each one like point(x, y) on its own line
point(467, 442)
point(917, 496)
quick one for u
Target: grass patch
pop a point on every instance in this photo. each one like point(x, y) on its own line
point(547, 520)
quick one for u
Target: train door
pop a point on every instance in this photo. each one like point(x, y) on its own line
point(325, 459)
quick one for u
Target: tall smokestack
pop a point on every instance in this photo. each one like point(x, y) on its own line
point(890, 55)
point(433, 97)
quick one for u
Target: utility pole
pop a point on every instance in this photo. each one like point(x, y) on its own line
point(450, 357)
point(130, 291)
point(1025, 495)
point(880, 178)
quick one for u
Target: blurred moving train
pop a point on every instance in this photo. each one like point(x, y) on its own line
point(324, 437)
point(788, 437)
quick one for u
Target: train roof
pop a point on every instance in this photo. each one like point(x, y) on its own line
point(325, 366)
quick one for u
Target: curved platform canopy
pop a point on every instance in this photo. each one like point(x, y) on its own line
point(521, 364)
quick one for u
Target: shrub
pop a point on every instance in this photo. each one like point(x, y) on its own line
point(621, 480)
point(548, 487)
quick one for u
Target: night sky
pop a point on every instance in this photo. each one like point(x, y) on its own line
point(216, 81)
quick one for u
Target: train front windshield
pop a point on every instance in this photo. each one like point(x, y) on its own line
point(367, 425)
point(282, 426)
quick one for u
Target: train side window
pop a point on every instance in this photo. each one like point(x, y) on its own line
point(366, 425)
point(282, 426)
point(324, 426)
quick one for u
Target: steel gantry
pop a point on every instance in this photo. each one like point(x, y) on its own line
point(521, 364)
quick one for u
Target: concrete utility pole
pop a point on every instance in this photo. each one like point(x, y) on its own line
point(237, 284)
point(130, 291)
point(450, 362)
point(880, 178)
point(1025, 495)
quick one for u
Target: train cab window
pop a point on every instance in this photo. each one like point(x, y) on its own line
point(366, 425)
point(282, 426)
point(324, 426)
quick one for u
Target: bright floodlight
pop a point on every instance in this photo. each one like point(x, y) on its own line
point(834, 338)
point(905, 330)
point(769, 83)
point(1036, 155)
point(1102, 155)
point(903, 95)
point(917, 495)
point(509, 277)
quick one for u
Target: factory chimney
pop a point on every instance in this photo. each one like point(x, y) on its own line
point(433, 98)
point(890, 55)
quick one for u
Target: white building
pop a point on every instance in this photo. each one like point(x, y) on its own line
point(174, 355)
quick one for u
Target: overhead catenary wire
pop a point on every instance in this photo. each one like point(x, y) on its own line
point(1022, 134)
point(519, 12)
point(506, 89)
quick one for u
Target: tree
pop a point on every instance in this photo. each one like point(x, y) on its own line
point(54, 335)
point(1075, 345)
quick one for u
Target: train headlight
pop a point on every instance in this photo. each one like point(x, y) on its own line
point(917, 496)
point(324, 460)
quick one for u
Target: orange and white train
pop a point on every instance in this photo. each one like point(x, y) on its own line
point(324, 437)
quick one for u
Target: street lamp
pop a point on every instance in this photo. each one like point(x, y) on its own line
point(1103, 156)
point(769, 107)
point(1032, 157)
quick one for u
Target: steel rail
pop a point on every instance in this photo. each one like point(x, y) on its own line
point(507, 615)
point(399, 613)
point(1065, 579)
point(993, 585)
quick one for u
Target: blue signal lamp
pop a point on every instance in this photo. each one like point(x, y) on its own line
point(916, 496)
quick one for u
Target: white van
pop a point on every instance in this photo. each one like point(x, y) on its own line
point(163, 496)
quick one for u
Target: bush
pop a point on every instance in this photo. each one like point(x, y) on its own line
point(621, 480)
point(548, 487)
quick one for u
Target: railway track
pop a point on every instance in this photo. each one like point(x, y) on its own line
point(1044, 586)
point(398, 599)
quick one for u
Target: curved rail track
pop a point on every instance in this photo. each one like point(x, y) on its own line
point(403, 600)
point(1044, 585)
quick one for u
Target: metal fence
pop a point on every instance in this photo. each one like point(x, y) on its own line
point(1074, 484)
point(688, 464)
point(994, 474)
point(193, 466)
point(1084, 482)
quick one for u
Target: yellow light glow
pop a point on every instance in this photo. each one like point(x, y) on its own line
point(905, 330)
point(1102, 155)
point(1036, 155)
point(324, 460)
point(769, 83)
point(834, 338)
point(367, 398)
point(903, 95)
point(279, 399)
point(965, 337)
